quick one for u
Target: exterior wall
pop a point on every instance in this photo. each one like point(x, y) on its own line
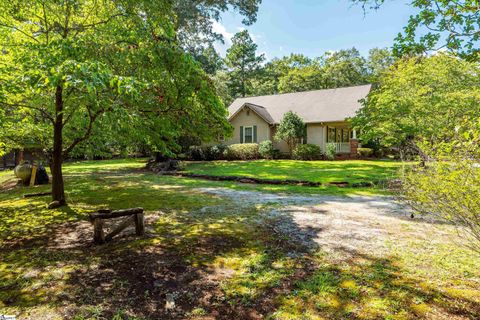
point(316, 135)
point(280, 145)
point(246, 119)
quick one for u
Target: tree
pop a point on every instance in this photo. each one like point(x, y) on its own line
point(71, 65)
point(448, 187)
point(438, 24)
point(379, 60)
point(344, 68)
point(209, 59)
point(194, 20)
point(244, 64)
point(305, 78)
point(421, 100)
point(291, 130)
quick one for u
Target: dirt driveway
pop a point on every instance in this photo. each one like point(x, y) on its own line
point(356, 223)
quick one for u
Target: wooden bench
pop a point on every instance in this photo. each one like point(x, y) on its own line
point(134, 216)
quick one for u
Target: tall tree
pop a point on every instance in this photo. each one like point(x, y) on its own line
point(244, 64)
point(421, 100)
point(67, 64)
point(438, 24)
point(344, 68)
point(378, 61)
point(194, 23)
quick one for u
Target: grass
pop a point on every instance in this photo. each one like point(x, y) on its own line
point(218, 258)
point(316, 171)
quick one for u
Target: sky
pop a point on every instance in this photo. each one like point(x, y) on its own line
point(313, 27)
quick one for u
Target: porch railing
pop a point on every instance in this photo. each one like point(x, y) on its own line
point(342, 147)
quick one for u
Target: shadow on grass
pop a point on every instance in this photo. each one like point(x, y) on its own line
point(208, 255)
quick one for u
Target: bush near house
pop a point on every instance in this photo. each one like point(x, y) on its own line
point(242, 151)
point(307, 152)
point(266, 150)
point(331, 151)
point(365, 152)
point(205, 153)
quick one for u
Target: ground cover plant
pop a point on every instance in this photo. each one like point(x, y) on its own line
point(223, 250)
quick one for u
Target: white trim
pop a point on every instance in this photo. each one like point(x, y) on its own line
point(244, 130)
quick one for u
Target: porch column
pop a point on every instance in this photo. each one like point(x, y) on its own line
point(354, 145)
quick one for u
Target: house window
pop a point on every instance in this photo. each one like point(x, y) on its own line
point(338, 134)
point(221, 137)
point(248, 135)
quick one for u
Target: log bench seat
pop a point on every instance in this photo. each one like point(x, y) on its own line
point(133, 216)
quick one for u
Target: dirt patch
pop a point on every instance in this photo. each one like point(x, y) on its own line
point(326, 222)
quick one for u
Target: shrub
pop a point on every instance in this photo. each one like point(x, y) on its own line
point(307, 152)
point(205, 153)
point(213, 152)
point(265, 149)
point(365, 152)
point(241, 151)
point(195, 153)
point(331, 151)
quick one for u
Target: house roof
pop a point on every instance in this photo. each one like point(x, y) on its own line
point(327, 105)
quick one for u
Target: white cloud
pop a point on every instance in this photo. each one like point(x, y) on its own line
point(219, 28)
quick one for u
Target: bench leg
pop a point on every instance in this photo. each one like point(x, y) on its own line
point(98, 235)
point(139, 224)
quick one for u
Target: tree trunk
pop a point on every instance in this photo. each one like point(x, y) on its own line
point(58, 192)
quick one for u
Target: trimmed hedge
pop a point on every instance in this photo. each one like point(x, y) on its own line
point(241, 151)
point(365, 152)
point(307, 152)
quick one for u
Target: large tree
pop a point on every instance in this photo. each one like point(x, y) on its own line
point(344, 68)
point(437, 24)
point(421, 100)
point(194, 23)
point(243, 63)
point(69, 65)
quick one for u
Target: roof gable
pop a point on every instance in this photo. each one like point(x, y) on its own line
point(313, 106)
point(259, 110)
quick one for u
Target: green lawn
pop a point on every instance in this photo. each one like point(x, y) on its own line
point(315, 171)
point(217, 258)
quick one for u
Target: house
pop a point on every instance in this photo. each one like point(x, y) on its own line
point(325, 113)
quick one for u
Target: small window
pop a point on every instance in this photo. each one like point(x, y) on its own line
point(221, 137)
point(248, 135)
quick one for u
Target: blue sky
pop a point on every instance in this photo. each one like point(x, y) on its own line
point(312, 27)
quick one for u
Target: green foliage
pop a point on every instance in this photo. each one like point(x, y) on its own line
point(241, 151)
point(438, 24)
point(296, 72)
point(194, 22)
point(103, 75)
point(421, 99)
point(243, 64)
point(365, 152)
point(344, 68)
point(206, 153)
point(307, 152)
point(331, 151)
point(448, 186)
point(266, 150)
point(291, 129)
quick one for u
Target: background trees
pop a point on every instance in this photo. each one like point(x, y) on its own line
point(243, 64)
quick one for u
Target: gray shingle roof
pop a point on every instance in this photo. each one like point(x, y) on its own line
point(313, 106)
